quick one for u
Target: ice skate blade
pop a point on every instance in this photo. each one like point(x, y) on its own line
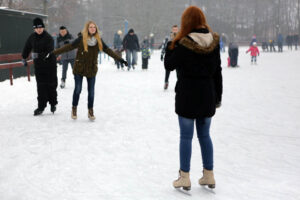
point(184, 188)
point(211, 186)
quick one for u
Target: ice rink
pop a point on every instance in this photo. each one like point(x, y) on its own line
point(131, 150)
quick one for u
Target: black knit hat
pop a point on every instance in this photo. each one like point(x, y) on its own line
point(131, 31)
point(38, 23)
point(62, 28)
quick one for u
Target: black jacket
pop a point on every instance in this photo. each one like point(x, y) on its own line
point(198, 65)
point(45, 69)
point(131, 42)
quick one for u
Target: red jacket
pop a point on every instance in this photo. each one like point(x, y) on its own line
point(254, 51)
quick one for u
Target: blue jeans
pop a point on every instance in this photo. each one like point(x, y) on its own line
point(186, 135)
point(131, 57)
point(78, 87)
point(65, 64)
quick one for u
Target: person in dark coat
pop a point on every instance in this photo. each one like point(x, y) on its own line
point(233, 52)
point(296, 41)
point(89, 44)
point(145, 54)
point(289, 41)
point(280, 42)
point(40, 43)
point(272, 46)
point(163, 51)
point(195, 54)
point(66, 58)
point(118, 48)
point(131, 46)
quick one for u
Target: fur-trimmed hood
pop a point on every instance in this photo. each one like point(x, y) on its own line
point(202, 43)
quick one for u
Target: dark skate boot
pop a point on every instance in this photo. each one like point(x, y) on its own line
point(38, 111)
point(166, 85)
point(63, 84)
point(53, 108)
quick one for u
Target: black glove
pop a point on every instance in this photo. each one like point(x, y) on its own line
point(124, 62)
point(24, 62)
point(66, 42)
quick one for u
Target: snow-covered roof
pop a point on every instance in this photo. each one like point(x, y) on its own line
point(5, 9)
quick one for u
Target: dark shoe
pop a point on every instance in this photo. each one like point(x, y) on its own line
point(53, 108)
point(63, 84)
point(166, 86)
point(38, 111)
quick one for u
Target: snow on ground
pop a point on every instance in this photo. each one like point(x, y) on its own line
point(131, 150)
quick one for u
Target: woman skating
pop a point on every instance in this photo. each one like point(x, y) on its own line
point(195, 54)
point(89, 43)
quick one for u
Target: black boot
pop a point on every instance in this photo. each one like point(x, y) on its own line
point(53, 108)
point(38, 111)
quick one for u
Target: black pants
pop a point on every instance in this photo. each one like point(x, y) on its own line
point(145, 63)
point(46, 93)
point(167, 75)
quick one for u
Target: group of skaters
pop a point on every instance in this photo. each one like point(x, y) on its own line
point(84, 63)
point(193, 51)
point(290, 41)
point(130, 44)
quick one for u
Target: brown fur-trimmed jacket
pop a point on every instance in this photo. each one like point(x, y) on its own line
point(86, 63)
point(197, 61)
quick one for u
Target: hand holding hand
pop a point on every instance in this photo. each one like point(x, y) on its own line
point(24, 62)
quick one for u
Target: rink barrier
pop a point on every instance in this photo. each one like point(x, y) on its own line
point(9, 58)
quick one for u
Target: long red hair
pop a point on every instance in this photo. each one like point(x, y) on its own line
point(192, 18)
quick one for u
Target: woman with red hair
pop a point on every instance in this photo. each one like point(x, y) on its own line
point(195, 54)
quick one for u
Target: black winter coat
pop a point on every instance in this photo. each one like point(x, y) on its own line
point(131, 42)
point(199, 85)
point(45, 69)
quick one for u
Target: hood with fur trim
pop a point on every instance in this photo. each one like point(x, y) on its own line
point(202, 43)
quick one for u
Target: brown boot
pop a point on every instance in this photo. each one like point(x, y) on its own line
point(208, 179)
point(183, 181)
point(74, 112)
point(91, 114)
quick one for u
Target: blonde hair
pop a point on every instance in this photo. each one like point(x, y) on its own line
point(86, 36)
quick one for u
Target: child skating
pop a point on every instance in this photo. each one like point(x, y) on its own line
point(254, 52)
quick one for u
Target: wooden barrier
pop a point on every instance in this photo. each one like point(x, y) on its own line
point(10, 65)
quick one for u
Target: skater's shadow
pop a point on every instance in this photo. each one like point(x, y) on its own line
point(206, 189)
point(183, 191)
